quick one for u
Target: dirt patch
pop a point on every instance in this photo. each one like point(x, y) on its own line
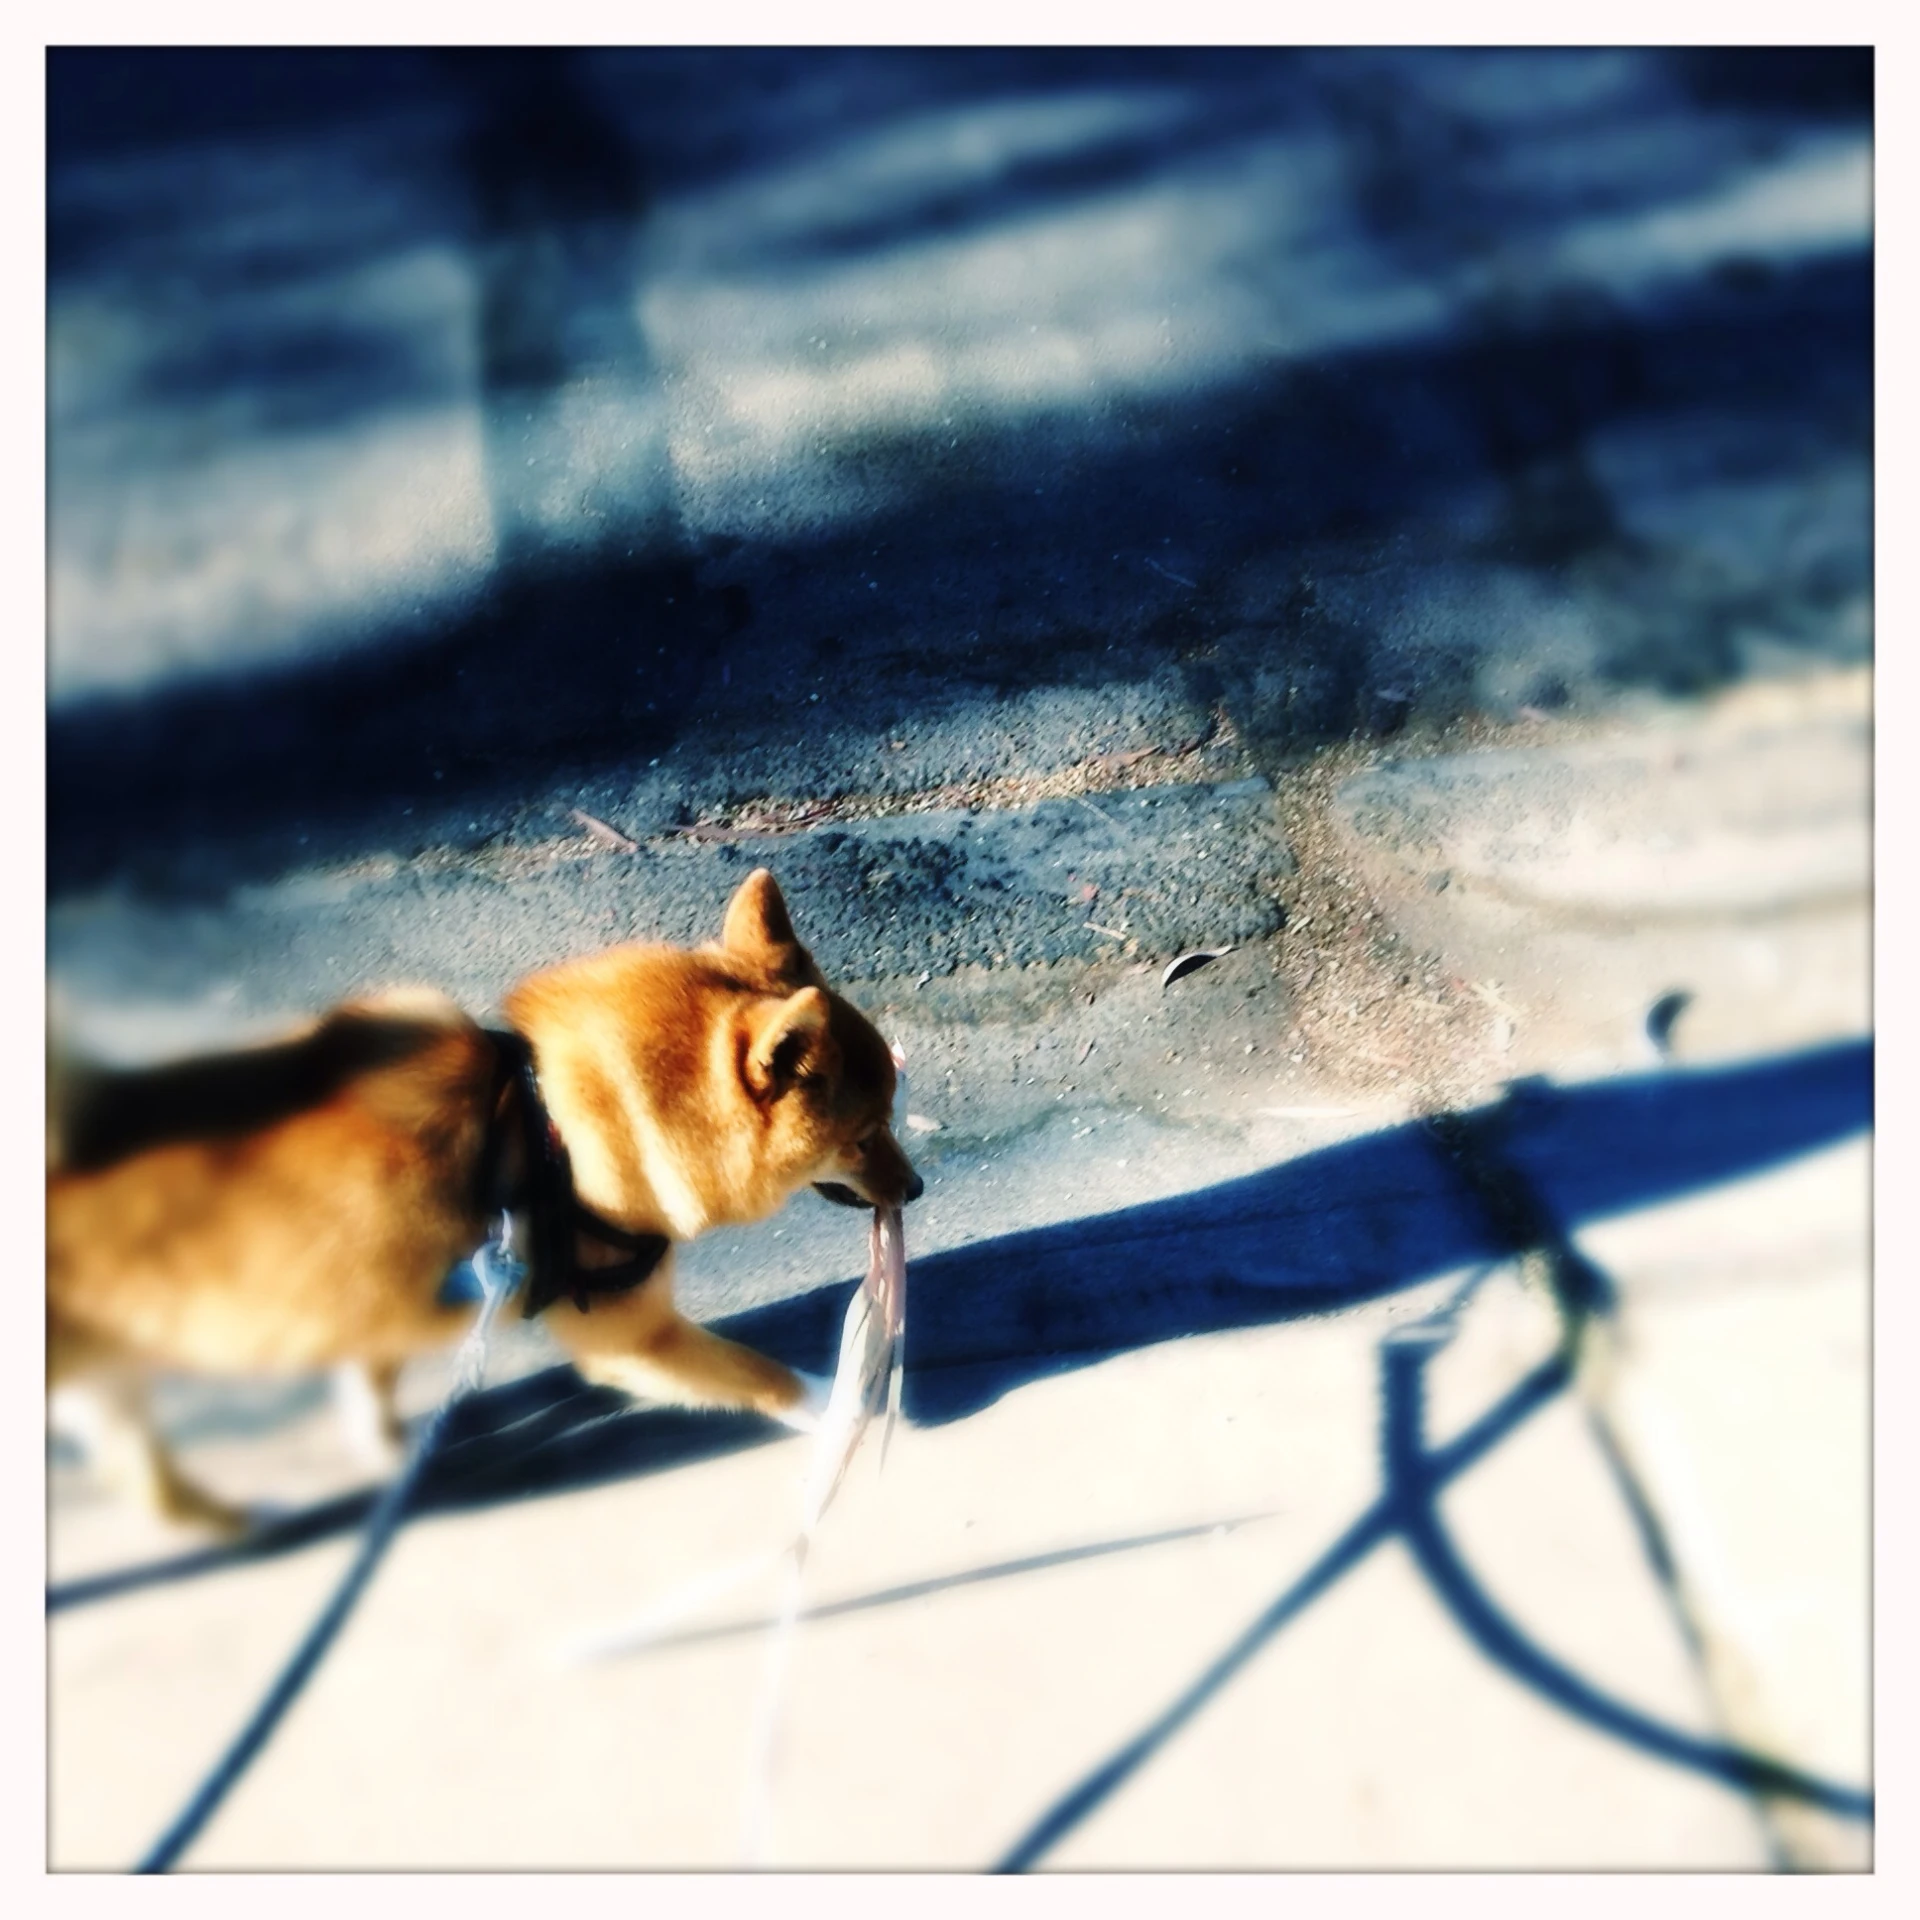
point(1370, 1011)
point(1216, 754)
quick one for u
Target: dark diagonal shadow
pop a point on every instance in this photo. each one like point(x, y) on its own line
point(1408, 1509)
point(544, 1434)
point(1417, 1522)
point(1329, 1230)
point(1373, 1526)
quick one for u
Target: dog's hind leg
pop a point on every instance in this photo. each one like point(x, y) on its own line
point(108, 1415)
point(364, 1399)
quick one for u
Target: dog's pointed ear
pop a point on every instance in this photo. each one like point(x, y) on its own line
point(787, 1042)
point(759, 929)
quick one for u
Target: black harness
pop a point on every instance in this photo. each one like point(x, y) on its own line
point(545, 1193)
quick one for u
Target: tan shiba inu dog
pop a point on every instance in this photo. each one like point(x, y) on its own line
point(300, 1205)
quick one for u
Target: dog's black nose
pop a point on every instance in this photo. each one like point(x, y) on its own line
point(914, 1192)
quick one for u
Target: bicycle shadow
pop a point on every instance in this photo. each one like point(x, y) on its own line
point(1408, 1509)
point(1500, 1162)
point(1329, 1230)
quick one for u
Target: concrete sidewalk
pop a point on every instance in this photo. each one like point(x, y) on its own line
point(1031, 1587)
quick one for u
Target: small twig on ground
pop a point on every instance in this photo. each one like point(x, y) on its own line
point(603, 835)
point(752, 827)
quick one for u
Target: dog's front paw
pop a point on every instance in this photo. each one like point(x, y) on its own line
point(182, 1504)
point(806, 1413)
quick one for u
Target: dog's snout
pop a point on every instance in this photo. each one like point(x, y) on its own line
point(900, 1176)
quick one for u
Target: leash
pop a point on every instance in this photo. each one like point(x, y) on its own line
point(556, 1218)
point(499, 1272)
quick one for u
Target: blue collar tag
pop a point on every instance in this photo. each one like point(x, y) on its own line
point(494, 1271)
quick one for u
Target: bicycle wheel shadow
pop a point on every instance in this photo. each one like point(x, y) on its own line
point(1407, 1509)
point(1329, 1230)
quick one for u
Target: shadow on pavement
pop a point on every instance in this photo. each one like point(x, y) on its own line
point(539, 682)
point(594, 634)
point(1408, 1510)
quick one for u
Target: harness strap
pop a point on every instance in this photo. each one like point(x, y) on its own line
point(554, 1211)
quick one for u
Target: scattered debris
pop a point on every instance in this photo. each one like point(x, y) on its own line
point(1194, 742)
point(1100, 813)
point(752, 826)
point(603, 835)
point(1660, 1018)
point(1191, 962)
point(922, 1123)
point(1487, 991)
